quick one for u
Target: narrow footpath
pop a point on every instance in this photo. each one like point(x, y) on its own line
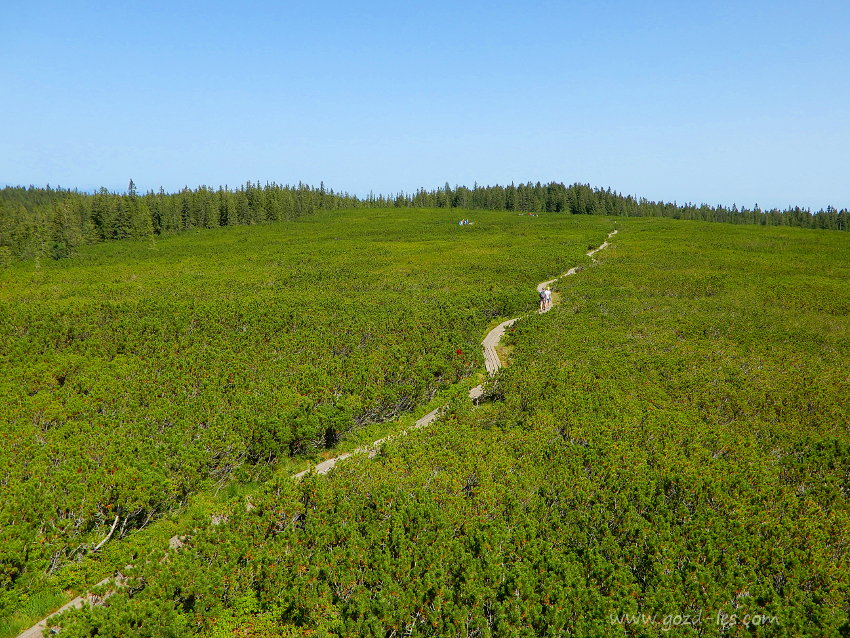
point(491, 362)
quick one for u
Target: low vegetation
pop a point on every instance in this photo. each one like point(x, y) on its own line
point(138, 373)
point(668, 448)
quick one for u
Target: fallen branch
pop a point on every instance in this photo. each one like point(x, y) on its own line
point(109, 535)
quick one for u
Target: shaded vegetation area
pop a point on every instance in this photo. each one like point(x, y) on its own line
point(672, 439)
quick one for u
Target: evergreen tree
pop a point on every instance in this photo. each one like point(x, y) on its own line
point(65, 231)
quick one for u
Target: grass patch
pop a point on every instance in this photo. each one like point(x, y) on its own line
point(32, 609)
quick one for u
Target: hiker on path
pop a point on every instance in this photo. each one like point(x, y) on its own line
point(547, 296)
point(542, 301)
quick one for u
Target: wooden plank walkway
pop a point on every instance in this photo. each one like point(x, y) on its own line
point(492, 363)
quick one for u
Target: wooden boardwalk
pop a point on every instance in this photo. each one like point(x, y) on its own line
point(492, 363)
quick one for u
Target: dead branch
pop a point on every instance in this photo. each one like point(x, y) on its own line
point(109, 535)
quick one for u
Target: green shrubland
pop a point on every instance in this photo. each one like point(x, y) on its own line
point(668, 449)
point(137, 374)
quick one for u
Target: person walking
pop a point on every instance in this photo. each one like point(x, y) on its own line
point(547, 296)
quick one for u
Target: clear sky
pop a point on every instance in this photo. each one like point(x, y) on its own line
point(718, 102)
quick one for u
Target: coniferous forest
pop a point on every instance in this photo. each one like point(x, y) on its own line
point(36, 222)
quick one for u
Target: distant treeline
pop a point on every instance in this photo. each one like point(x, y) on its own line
point(52, 222)
point(37, 222)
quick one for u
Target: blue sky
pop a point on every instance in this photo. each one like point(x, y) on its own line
point(718, 102)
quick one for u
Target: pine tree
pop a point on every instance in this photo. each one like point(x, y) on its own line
point(65, 231)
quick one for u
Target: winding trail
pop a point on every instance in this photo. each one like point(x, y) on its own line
point(575, 269)
point(491, 362)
